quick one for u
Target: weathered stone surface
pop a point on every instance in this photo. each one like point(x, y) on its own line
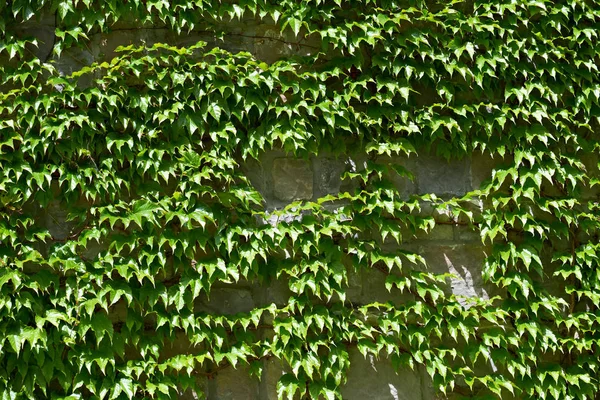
point(276, 218)
point(178, 344)
point(466, 234)
point(355, 287)
point(371, 378)
point(104, 44)
point(118, 312)
point(328, 172)
point(481, 168)
point(273, 369)
point(234, 384)
point(93, 249)
point(591, 165)
point(227, 300)
point(41, 27)
point(292, 179)
point(254, 171)
point(189, 395)
point(465, 262)
point(440, 232)
point(436, 175)
point(271, 44)
point(374, 290)
point(403, 184)
point(278, 292)
point(55, 218)
point(73, 59)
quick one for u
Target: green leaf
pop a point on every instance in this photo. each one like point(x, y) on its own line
point(102, 326)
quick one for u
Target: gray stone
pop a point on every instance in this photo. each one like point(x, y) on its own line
point(439, 214)
point(94, 248)
point(42, 28)
point(189, 394)
point(279, 292)
point(466, 234)
point(440, 232)
point(475, 206)
point(56, 221)
point(73, 59)
point(403, 184)
point(273, 370)
point(355, 287)
point(482, 166)
point(374, 290)
point(104, 44)
point(277, 217)
point(271, 44)
point(436, 175)
point(179, 344)
point(372, 378)
point(451, 246)
point(328, 173)
point(227, 300)
point(465, 262)
point(234, 384)
point(255, 173)
point(292, 179)
point(118, 312)
point(591, 166)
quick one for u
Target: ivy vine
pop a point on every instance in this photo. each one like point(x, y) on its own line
point(144, 150)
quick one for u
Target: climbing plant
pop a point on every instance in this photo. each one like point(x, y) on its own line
point(144, 150)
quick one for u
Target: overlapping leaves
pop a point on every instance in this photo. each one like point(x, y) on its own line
point(123, 204)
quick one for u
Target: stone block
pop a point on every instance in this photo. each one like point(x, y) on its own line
point(189, 394)
point(73, 59)
point(94, 248)
point(273, 370)
point(177, 344)
point(42, 28)
point(254, 171)
point(482, 166)
point(279, 292)
point(374, 290)
point(440, 232)
point(466, 234)
point(226, 300)
point(234, 384)
point(292, 179)
point(372, 378)
point(436, 175)
point(275, 218)
point(465, 262)
point(104, 44)
point(270, 44)
point(355, 286)
point(118, 312)
point(403, 184)
point(439, 214)
point(55, 218)
point(328, 173)
point(591, 162)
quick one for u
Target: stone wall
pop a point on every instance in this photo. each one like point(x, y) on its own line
point(281, 179)
point(451, 247)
